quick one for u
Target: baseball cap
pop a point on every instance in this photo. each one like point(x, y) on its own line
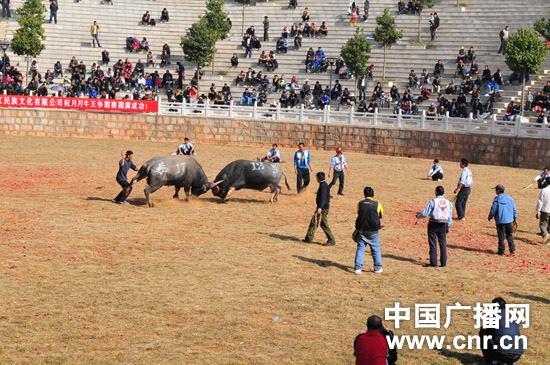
point(338, 149)
point(499, 187)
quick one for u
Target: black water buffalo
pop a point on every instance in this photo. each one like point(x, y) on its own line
point(180, 171)
point(242, 174)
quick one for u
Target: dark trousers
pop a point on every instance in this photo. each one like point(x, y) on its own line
point(437, 176)
point(502, 44)
point(505, 231)
point(124, 193)
point(338, 175)
point(461, 200)
point(490, 354)
point(266, 37)
point(437, 232)
point(324, 225)
point(302, 179)
point(432, 32)
point(541, 183)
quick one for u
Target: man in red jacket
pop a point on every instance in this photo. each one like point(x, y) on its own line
point(371, 347)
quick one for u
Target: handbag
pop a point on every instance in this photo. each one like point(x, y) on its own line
point(356, 235)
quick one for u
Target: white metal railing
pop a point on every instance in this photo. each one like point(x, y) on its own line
point(415, 122)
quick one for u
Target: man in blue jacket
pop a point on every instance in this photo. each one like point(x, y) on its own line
point(505, 213)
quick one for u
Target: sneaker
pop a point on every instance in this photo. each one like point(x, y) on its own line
point(124, 202)
point(358, 272)
point(380, 271)
point(330, 243)
point(545, 239)
point(500, 253)
point(116, 201)
point(461, 219)
point(438, 179)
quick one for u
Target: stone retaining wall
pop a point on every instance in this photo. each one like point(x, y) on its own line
point(483, 149)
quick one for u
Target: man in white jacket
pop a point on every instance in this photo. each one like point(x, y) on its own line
point(543, 211)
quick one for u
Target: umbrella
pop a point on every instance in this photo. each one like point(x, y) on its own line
point(56, 88)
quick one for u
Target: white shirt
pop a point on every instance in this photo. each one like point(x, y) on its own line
point(338, 163)
point(543, 203)
point(542, 176)
point(466, 178)
point(274, 152)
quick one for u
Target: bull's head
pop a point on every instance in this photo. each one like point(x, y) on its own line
point(211, 185)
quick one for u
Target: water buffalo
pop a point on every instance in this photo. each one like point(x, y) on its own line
point(242, 174)
point(180, 171)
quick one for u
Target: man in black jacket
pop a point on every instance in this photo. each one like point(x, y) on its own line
point(321, 213)
point(368, 224)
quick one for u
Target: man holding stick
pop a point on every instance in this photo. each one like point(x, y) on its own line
point(321, 213)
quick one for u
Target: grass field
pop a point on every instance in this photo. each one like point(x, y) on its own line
point(84, 280)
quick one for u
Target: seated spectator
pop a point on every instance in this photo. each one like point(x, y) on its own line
point(234, 60)
point(487, 110)
point(401, 9)
point(292, 99)
point(294, 30)
point(486, 76)
point(298, 42)
point(491, 85)
point(436, 85)
point(132, 44)
point(323, 30)
point(313, 31)
point(461, 55)
point(431, 111)
point(164, 59)
point(305, 88)
point(346, 97)
point(439, 68)
point(262, 60)
point(372, 107)
point(283, 100)
point(284, 33)
point(280, 46)
point(308, 100)
point(246, 98)
point(167, 80)
point(498, 77)
point(424, 95)
point(541, 119)
point(272, 63)
point(144, 45)
point(164, 17)
point(256, 43)
point(394, 93)
point(413, 79)
point(325, 100)
point(471, 57)
point(336, 90)
point(150, 60)
point(57, 69)
point(105, 57)
point(362, 108)
point(240, 78)
point(146, 18)
point(305, 15)
point(294, 83)
point(474, 69)
point(48, 77)
point(324, 65)
point(424, 78)
point(309, 64)
point(273, 155)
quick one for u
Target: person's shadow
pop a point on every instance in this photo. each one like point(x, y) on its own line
point(464, 357)
point(323, 263)
point(529, 297)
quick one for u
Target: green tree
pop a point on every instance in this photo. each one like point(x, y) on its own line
point(356, 53)
point(245, 3)
point(543, 27)
point(386, 33)
point(199, 44)
point(429, 4)
point(216, 18)
point(525, 52)
point(28, 39)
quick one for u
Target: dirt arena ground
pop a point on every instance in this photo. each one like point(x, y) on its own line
point(84, 280)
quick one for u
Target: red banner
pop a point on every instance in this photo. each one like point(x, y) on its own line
point(106, 105)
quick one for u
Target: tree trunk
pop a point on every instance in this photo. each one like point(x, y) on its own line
point(213, 62)
point(242, 25)
point(384, 67)
point(522, 97)
point(27, 73)
point(419, 19)
point(198, 81)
